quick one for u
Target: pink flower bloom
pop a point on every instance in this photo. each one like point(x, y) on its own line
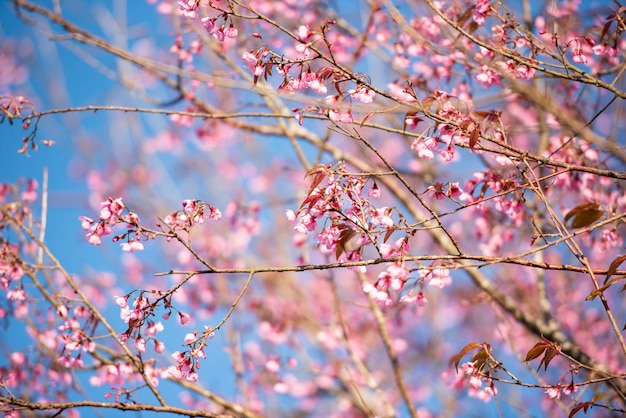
point(303, 32)
point(17, 358)
point(85, 222)
point(440, 277)
point(132, 246)
point(487, 77)
point(140, 344)
point(208, 23)
point(187, 8)
point(303, 48)
point(362, 94)
point(446, 155)
point(121, 301)
point(412, 122)
point(346, 117)
point(231, 32)
point(219, 35)
point(112, 210)
point(475, 381)
point(331, 100)
point(214, 213)
point(30, 194)
point(436, 191)
point(159, 347)
point(579, 57)
point(184, 318)
point(480, 12)
point(291, 216)
point(553, 393)
point(154, 328)
point(382, 216)
point(94, 239)
point(281, 387)
point(318, 87)
point(454, 190)
point(374, 191)
point(189, 205)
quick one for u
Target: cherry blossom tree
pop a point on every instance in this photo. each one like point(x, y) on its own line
point(389, 209)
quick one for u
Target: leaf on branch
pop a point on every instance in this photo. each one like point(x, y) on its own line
point(599, 291)
point(311, 200)
point(344, 236)
point(473, 139)
point(409, 115)
point(367, 117)
point(583, 405)
point(456, 359)
point(548, 349)
point(320, 171)
point(480, 358)
point(584, 215)
point(613, 267)
point(388, 234)
point(465, 17)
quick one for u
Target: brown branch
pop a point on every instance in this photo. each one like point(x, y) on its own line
point(21, 404)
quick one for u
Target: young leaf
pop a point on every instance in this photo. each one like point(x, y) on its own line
point(583, 405)
point(473, 139)
point(344, 237)
point(537, 350)
point(550, 354)
point(586, 218)
point(545, 347)
point(388, 234)
point(368, 116)
point(584, 215)
point(480, 359)
point(456, 359)
point(613, 267)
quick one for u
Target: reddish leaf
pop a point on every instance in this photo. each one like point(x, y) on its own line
point(320, 172)
point(537, 350)
point(480, 358)
point(465, 16)
point(367, 117)
point(576, 210)
point(583, 405)
point(584, 215)
point(586, 218)
point(550, 354)
point(456, 359)
point(310, 200)
point(388, 234)
point(545, 347)
point(344, 237)
point(473, 139)
point(613, 267)
point(599, 291)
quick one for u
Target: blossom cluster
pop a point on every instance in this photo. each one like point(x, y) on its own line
point(194, 212)
point(471, 377)
point(112, 212)
point(337, 199)
point(190, 8)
